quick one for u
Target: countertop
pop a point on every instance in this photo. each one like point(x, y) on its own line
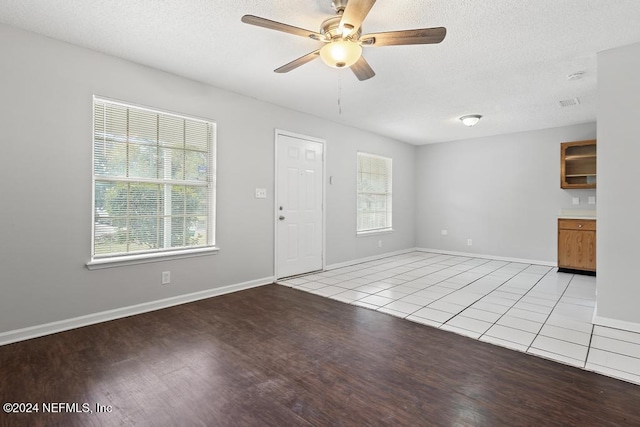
point(577, 214)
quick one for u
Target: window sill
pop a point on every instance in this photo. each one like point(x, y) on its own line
point(99, 263)
point(374, 232)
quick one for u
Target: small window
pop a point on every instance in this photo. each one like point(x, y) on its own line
point(153, 181)
point(374, 193)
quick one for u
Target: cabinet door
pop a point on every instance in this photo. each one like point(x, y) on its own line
point(577, 249)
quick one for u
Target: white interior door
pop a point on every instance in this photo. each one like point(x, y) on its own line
point(299, 210)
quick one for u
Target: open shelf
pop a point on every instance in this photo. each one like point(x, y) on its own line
point(578, 164)
point(580, 156)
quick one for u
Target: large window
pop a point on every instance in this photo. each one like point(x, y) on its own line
point(374, 193)
point(154, 182)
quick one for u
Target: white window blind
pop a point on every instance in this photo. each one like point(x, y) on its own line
point(154, 181)
point(374, 193)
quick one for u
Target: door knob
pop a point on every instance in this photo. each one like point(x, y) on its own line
point(281, 218)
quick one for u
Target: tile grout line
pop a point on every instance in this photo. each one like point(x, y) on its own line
point(593, 327)
point(517, 301)
point(559, 339)
point(485, 295)
point(456, 290)
point(549, 315)
point(614, 352)
point(434, 284)
point(464, 259)
point(438, 299)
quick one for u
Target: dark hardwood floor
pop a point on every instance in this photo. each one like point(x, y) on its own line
point(275, 356)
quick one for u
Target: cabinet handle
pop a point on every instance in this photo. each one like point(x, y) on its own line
point(579, 225)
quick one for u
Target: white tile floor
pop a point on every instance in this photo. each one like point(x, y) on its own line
point(529, 308)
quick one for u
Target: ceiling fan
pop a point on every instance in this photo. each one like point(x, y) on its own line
point(343, 39)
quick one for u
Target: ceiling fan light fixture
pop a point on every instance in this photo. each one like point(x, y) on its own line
point(343, 39)
point(470, 120)
point(340, 53)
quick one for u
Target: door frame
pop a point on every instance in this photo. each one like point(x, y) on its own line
point(278, 133)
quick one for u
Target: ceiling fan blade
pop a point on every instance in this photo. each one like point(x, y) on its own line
point(395, 38)
point(298, 62)
point(279, 26)
point(362, 69)
point(354, 14)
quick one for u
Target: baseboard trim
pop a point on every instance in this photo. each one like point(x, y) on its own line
point(367, 259)
point(118, 313)
point(615, 323)
point(491, 257)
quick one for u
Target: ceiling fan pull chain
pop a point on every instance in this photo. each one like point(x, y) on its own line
point(339, 94)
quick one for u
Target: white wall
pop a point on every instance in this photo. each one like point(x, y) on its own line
point(503, 192)
point(618, 182)
point(45, 183)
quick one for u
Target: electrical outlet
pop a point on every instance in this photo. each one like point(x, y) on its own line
point(444, 232)
point(575, 200)
point(379, 243)
point(261, 193)
point(166, 277)
point(592, 200)
point(469, 242)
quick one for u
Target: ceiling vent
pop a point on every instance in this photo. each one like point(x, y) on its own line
point(570, 102)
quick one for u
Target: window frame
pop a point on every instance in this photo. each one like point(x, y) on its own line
point(388, 194)
point(160, 254)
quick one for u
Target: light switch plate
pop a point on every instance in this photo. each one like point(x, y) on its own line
point(592, 200)
point(261, 193)
point(575, 200)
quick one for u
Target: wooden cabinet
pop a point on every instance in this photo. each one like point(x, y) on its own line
point(578, 164)
point(577, 244)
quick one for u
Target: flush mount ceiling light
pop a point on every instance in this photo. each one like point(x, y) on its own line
point(470, 120)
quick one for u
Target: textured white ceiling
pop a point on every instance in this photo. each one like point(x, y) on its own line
point(507, 60)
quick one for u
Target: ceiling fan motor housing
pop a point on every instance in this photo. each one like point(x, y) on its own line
point(330, 28)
